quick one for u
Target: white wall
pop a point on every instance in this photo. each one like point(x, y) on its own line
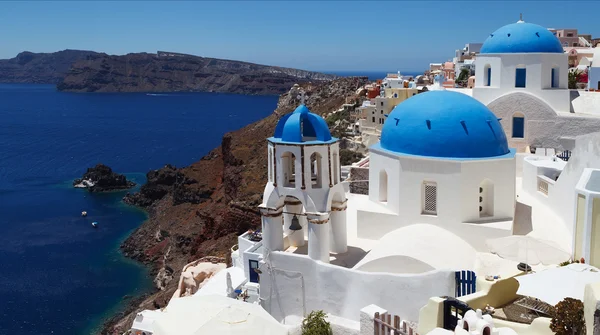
point(344, 292)
point(374, 225)
point(544, 128)
point(593, 77)
point(588, 102)
point(538, 80)
point(457, 186)
point(585, 155)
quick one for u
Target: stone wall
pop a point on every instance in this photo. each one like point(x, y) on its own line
point(359, 180)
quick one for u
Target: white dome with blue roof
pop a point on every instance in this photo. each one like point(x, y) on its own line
point(521, 37)
point(444, 124)
point(302, 126)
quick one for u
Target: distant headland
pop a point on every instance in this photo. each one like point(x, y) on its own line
point(88, 71)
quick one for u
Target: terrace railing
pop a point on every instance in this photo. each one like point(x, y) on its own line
point(386, 324)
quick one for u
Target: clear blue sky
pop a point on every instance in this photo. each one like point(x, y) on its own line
point(334, 36)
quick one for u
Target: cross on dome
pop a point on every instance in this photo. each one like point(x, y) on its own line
point(520, 18)
point(301, 97)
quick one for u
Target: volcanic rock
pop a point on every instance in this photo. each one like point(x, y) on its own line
point(101, 178)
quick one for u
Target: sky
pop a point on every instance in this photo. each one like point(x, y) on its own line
point(311, 35)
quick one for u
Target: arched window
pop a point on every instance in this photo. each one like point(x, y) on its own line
point(336, 172)
point(288, 166)
point(486, 199)
point(429, 198)
point(383, 186)
point(518, 125)
point(554, 78)
point(487, 75)
point(521, 76)
point(315, 170)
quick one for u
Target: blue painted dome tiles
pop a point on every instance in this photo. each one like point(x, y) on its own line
point(302, 126)
point(521, 37)
point(444, 124)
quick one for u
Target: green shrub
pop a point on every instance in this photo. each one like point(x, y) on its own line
point(348, 156)
point(315, 324)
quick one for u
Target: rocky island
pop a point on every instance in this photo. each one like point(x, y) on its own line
point(41, 68)
point(199, 210)
point(101, 178)
point(174, 72)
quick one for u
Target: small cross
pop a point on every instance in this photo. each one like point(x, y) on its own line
point(302, 97)
point(520, 16)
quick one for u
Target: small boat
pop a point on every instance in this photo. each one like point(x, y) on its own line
point(84, 213)
point(95, 224)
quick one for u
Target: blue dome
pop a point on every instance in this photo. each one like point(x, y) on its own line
point(444, 124)
point(521, 37)
point(302, 126)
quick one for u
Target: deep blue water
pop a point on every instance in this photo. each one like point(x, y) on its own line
point(58, 274)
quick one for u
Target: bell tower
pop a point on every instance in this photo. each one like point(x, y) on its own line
point(304, 199)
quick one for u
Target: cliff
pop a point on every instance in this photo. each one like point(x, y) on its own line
point(200, 210)
point(40, 68)
point(169, 72)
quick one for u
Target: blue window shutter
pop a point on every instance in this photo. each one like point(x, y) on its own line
point(521, 78)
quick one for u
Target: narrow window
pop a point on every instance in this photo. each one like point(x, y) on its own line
point(373, 119)
point(288, 162)
point(270, 165)
point(336, 172)
point(487, 74)
point(383, 184)
point(554, 82)
point(518, 126)
point(315, 170)
point(382, 103)
point(520, 77)
point(429, 198)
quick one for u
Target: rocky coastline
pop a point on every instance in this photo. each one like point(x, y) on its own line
point(199, 210)
point(172, 72)
point(101, 178)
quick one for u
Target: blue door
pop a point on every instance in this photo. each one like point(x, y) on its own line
point(253, 273)
point(518, 127)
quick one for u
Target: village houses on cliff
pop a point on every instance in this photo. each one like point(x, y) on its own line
point(456, 222)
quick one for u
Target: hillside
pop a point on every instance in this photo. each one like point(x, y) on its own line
point(169, 72)
point(199, 210)
point(40, 68)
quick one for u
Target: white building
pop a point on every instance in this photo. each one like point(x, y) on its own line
point(594, 71)
point(522, 76)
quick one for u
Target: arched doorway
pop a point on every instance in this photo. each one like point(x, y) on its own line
point(383, 186)
point(486, 199)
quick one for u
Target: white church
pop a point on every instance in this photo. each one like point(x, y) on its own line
point(522, 76)
point(446, 176)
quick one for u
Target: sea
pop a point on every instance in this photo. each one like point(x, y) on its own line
point(58, 275)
